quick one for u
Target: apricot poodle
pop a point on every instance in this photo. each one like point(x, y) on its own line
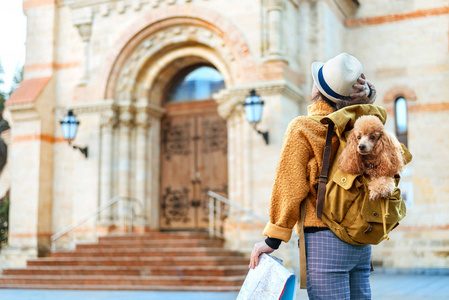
point(375, 152)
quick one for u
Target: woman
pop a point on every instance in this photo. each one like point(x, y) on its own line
point(335, 269)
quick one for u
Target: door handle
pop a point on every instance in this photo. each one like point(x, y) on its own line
point(196, 182)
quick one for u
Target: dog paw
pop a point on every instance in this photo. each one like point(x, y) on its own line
point(380, 188)
point(373, 195)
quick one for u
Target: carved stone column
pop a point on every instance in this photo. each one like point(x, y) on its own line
point(109, 122)
point(153, 169)
point(142, 122)
point(82, 20)
point(274, 27)
point(126, 123)
point(85, 32)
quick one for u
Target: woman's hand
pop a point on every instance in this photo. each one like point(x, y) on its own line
point(259, 248)
point(363, 87)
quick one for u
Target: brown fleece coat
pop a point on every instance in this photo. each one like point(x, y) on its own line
point(297, 173)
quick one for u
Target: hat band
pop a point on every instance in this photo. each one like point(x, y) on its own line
point(327, 88)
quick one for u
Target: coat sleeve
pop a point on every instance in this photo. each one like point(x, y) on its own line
point(291, 184)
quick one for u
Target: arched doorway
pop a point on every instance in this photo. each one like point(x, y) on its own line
point(193, 148)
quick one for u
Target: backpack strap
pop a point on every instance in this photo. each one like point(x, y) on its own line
point(322, 181)
point(302, 248)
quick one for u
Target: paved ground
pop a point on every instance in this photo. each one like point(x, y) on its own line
point(384, 287)
point(404, 287)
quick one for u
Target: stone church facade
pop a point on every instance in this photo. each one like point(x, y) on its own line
point(116, 64)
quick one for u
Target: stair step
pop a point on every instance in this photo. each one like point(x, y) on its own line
point(138, 261)
point(126, 280)
point(123, 287)
point(164, 261)
point(155, 236)
point(141, 244)
point(144, 252)
point(132, 271)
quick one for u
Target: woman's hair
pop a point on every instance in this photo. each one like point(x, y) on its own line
point(347, 101)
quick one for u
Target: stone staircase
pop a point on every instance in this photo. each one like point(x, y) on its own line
point(175, 261)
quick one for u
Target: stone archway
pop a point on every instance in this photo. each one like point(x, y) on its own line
point(132, 127)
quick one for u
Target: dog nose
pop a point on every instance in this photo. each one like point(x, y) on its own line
point(362, 147)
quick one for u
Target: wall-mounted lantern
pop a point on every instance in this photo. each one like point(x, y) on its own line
point(253, 110)
point(69, 125)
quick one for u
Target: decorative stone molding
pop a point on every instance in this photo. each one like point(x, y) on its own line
point(168, 37)
point(88, 108)
point(126, 116)
point(85, 31)
point(109, 118)
point(273, 29)
point(23, 112)
point(230, 100)
point(275, 4)
point(143, 117)
point(155, 111)
point(295, 3)
point(346, 7)
point(82, 20)
point(104, 8)
point(242, 68)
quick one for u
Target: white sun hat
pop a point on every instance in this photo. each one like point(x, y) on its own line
point(335, 78)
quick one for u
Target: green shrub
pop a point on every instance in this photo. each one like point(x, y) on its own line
point(4, 219)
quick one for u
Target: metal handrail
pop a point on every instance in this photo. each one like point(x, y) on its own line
point(215, 227)
point(96, 212)
point(242, 241)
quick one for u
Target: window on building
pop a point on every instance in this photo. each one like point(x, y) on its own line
point(401, 119)
point(195, 85)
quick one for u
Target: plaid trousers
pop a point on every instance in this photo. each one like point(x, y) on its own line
point(336, 269)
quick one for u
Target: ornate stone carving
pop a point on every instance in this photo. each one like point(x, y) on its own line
point(143, 118)
point(273, 29)
point(346, 7)
point(90, 107)
point(109, 119)
point(126, 116)
point(120, 6)
point(275, 4)
point(85, 31)
point(162, 39)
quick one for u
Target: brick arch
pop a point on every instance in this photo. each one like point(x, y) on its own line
point(399, 91)
point(159, 19)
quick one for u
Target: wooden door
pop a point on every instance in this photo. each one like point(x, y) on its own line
point(193, 161)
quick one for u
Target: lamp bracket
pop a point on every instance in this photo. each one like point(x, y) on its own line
point(84, 150)
point(264, 134)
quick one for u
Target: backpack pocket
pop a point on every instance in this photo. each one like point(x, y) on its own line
point(372, 210)
point(341, 193)
point(367, 228)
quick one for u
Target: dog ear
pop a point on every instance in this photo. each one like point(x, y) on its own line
point(389, 151)
point(350, 161)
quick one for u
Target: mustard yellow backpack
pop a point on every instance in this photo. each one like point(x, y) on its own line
point(343, 199)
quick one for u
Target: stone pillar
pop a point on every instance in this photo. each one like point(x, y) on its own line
point(143, 121)
point(274, 27)
point(82, 19)
point(126, 123)
point(108, 123)
point(153, 168)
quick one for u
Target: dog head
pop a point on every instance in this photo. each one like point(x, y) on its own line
point(368, 130)
point(368, 139)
